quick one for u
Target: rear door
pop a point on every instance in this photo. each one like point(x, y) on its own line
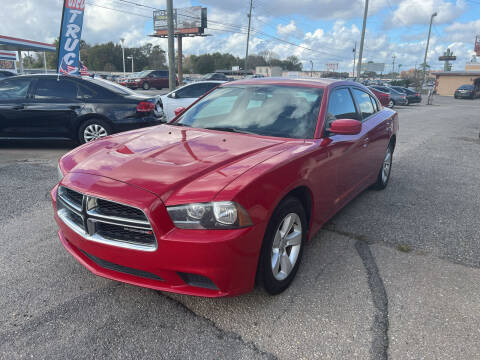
point(161, 79)
point(14, 98)
point(54, 107)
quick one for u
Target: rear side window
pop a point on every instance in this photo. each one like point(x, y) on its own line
point(341, 106)
point(364, 102)
point(195, 90)
point(14, 89)
point(53, 89)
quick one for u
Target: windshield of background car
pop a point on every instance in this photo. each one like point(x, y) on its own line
point(466, 87)
point(270, 110)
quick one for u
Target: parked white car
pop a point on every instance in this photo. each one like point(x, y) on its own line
point(186, 95)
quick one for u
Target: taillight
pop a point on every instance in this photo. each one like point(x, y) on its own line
point(145, 106)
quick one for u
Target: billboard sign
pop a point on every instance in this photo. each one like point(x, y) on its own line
point(447, 58)
point(191, 20)
point(373, 67)
point(70, 35)
point(8, 60)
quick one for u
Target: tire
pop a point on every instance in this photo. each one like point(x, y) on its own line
point(407, 102)
point(279, 261)
point(93, 129)
point(385, 170)
point(146, 86)
point(391, 104)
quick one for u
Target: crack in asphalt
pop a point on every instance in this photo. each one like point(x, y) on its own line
point(379, 348)
point(221, 333)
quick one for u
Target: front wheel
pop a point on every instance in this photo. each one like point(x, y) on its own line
point(407, 102)
point(146, 86)
point(391, 103)
point(384, 174)
point(283, 246)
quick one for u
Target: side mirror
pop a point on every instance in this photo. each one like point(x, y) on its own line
point(173, 95)
point(346, 127)
point(179, 110)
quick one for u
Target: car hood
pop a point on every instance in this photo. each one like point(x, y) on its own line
point(178, 164)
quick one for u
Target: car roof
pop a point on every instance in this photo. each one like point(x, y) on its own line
point(320, 83)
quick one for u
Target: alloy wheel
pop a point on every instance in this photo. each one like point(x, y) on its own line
point(93, 132)
point(390, 104)
point(286, 246)
point(387, 166)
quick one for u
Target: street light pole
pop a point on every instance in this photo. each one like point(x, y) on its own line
point(311, 71)
point(123, 56)
point(426, 49)
point(171, 46)
point(362, 40)
point(131, 57)
point(354, 59)
point(393, 67)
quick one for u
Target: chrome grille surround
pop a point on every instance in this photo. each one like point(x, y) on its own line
point(88, 220)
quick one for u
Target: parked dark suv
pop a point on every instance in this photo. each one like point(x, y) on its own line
point(467, 91)
point(149, 79)
point(67, 107)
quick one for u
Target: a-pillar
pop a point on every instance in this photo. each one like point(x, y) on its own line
point(180, 60)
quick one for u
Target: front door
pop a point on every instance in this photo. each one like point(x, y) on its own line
point(14, 98)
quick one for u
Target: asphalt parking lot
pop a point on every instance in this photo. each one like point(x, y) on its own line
point(396, 274)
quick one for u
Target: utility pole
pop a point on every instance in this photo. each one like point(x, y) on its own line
point(426, 49)
point(393, 67)
point(123, 55)
point(362, 40)
point(354, 59)
point(248, 35)
point(311, 71)
point(171, 46)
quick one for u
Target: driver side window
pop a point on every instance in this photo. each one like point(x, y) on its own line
point(341, 106)
point(14, 89)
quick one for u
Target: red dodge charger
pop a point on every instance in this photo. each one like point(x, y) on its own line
point(229, 191)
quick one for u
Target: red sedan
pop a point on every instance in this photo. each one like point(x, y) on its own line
point(383, 97)
point(228, 192)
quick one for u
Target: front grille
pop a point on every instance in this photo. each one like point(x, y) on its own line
point(105, 221)
point(109, 208)
point(124, 233)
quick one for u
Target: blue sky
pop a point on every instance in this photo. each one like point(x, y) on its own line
point(324, 30)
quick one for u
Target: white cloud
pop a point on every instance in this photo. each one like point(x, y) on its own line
point(289, 29)
point(415, 12)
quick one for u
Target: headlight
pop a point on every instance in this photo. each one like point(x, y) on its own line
point(59, 173)
point(213, 215)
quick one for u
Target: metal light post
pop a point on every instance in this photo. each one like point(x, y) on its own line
point(311, 71)
point(362, 40)
point(426, 49)
point(123, 56)
point(131, 57)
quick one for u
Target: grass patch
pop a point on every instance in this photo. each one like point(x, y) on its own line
point(404, 248)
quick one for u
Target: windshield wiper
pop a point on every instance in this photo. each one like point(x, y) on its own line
point(229, 129)
point(179, 124)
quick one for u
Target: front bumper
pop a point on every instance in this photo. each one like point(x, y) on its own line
point(227, 258)
point(464, 95)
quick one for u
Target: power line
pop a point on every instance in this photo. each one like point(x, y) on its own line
point(118, 10)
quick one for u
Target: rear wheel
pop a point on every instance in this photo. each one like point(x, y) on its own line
point(407, 102)
point(93, 129)
point(384, 174)
point(146, 86)
point(283, 246)
point(391, 103)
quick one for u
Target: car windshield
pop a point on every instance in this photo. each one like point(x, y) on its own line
point(270, 110)
point(207, 76)
point(142, 74)
point(116, 88)
point(466, 87)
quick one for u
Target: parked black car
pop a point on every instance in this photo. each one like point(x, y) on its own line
point(215, 76)
point(66, 107)
point(6, 73)
point(413, 97)
point(467, 91)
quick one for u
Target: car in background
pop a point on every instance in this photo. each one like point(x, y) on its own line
point(254, 76)
point(185, 96)
point(413, 97)
point(6, 73)
point(383, 97)
point(396, 98)
point(67, 107)
point(149, 79)
point(467, 91)
point(216, 76)
point(124, 79)
point(230, 191)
